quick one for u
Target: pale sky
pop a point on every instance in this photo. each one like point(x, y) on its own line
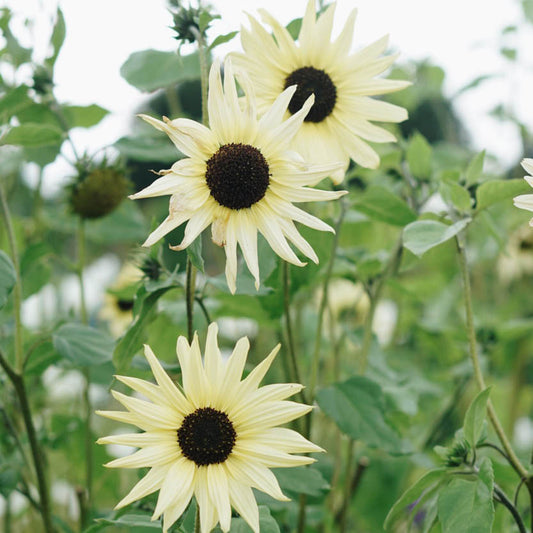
point(462, 36)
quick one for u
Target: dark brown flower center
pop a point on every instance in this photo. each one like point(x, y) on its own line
point(312, 81)
point(206, 436)
point(237, 175)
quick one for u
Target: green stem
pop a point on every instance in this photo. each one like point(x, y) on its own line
point(288, 328)
point(197, 519)
point(17, 289)
point(190, 289)
point(506, 502)
point(493, 417)
point(323, 305)
point(204, 76)
point(37, 455)
point(343, 515)
point(375, 295)
point(87, 501)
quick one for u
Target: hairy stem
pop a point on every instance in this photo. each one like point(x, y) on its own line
point(478, 374)
point(504, 500)
point(37, 455)
point(323, 305)
point(17, 289)
point(288, 328)
point(190, 289)
point(86, 502)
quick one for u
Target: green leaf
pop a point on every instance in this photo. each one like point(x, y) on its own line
point(13, 101)
point(358, 407)
point(294, 27)
point(145, 308)
point(509, 53)
point(267, 524)
point(381, 204)
point(7, 277)
point(302, 480)
point(475, 168)
point(221, 39)
point(41, 358)
point(148, 148)
point(527, 6)
point(475, 416)
point(132, 520)
point(34, 269)
point(12, 50)
point(452, 193)
point(83, 345)
point(194, 253)
point(32, 134)
point(494, 191)
point(422, 235)
point(418, 157)
point(402, 508)
point(79, 116)
point(58, 37)
point(467, 506)
point(150, 70)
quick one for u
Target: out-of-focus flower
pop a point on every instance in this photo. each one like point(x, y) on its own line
point(216, 437)
point(99, 191)
point(339, 123)
point(240, 177)
point(118, 303)
point(525, 201)
point(516, 261)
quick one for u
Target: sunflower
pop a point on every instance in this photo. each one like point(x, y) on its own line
point(240, 177)
point(215, 437)
point(339, 123)
point(525, 201)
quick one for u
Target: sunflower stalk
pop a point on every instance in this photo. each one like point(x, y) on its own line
point(36, 452)
point(86, 499)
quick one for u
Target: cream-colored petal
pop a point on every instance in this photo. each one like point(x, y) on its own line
point(213, 359)
point(197, 223)
point(285, 439)
point(524, 201)
point(243, 500)
point(341, 46)
point(194, 379)
point(208, 515)
point(177, 508)
point(291, 233)
point(165, 417)
point(233, 372)
point(144, 387)
point(527, 164)
point(178, 483)
point(268, 456)
point(283, 38)
point(127, 418)
point(148, 484)
point(287, 210)
point(230, 249)
point(267, 224)
point(304, 194)
point(140, 440)
point(167, 386)
point(167, 184)
point(371, 109)
point(272, 414)
point(374, 87)
point(276, 113)
point(217, 483)
point(181, 140)
point(246, 233)
point(161, 454)
point(219, 117)
point(255, 475)
point(170, 223)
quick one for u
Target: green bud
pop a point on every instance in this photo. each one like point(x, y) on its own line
point(42, 80)
point(190, 22)
point(457, 454)
point(98, 192)
point(151, 268)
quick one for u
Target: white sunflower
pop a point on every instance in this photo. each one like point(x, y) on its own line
point(525, 201)
point(214, 438)
point(240, 177)
point(339, 122)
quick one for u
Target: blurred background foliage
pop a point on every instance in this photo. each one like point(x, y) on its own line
point(418, 381)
